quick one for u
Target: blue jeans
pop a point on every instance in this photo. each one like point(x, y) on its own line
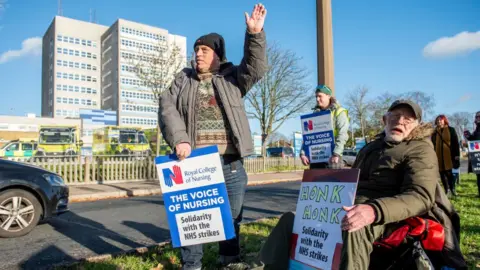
point(236, 182)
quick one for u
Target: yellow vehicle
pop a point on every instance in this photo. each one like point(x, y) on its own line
point(114, 140)
point(151, 135)
point(22, 147)
point(58, 141)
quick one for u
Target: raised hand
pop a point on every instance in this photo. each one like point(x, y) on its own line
point(256, 20)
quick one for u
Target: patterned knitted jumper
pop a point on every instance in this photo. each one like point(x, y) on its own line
point(212, 123)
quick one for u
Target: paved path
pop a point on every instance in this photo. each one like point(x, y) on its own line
point(94, 192)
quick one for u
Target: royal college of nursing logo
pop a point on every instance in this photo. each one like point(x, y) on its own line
point(474, 146)
point(307, 125)
point(172, 177)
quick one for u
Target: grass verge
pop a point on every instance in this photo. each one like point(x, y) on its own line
point(253, 235)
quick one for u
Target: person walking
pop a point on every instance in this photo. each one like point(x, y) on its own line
point(447, 148)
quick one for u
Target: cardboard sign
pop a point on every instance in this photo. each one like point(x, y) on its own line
point(474, 155)
point(317, 236)
point(318, 138)
point(195, 196)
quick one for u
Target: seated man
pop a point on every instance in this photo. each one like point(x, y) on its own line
point(398, 180)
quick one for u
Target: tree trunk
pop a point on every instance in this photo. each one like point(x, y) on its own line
point(264, 150)
point(158, 140)
point(362, 124)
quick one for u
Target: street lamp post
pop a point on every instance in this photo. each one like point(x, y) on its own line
point(325, 44)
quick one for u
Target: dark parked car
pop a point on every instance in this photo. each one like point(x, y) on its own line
point(28, 194)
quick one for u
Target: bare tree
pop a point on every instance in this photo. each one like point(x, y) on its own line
point(277, 139)
point(357, 104)
point(460, 121)
point(156, 67)
point(281, 94)
point(424, 100)
point(379, 107)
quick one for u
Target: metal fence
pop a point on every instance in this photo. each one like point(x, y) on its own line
point(108, 169)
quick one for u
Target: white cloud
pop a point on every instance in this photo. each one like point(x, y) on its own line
point(30, 46)
point(461, 44)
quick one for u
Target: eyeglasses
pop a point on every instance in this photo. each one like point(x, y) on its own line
point(477, 116)
point(396, 116)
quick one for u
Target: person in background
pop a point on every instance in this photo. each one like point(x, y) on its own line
point(204, 106)
point(474, 137)
point(399, 179)
point(340, 124)
point(447, 148)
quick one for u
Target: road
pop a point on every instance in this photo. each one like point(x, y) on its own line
point(114, 225)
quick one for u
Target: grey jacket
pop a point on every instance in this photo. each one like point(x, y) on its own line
point(176, 115)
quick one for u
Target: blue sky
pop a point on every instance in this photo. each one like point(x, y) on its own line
point(383, 45)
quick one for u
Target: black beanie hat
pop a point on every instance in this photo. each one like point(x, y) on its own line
point(215, 42)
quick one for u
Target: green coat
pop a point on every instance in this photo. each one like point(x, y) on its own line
point(402, 181)
point(397, 195)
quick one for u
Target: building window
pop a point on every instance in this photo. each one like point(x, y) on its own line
point(77, 101)
point(59, 37)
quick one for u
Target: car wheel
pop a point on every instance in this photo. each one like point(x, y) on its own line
point(20, 212)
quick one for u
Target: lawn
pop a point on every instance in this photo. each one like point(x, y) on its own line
point(254, 234)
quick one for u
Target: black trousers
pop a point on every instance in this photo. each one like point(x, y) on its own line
point(448, 180)
point(321, 165)
point(478, 184)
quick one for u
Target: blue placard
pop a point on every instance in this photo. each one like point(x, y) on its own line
point(196, 199)
point(318, 140)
